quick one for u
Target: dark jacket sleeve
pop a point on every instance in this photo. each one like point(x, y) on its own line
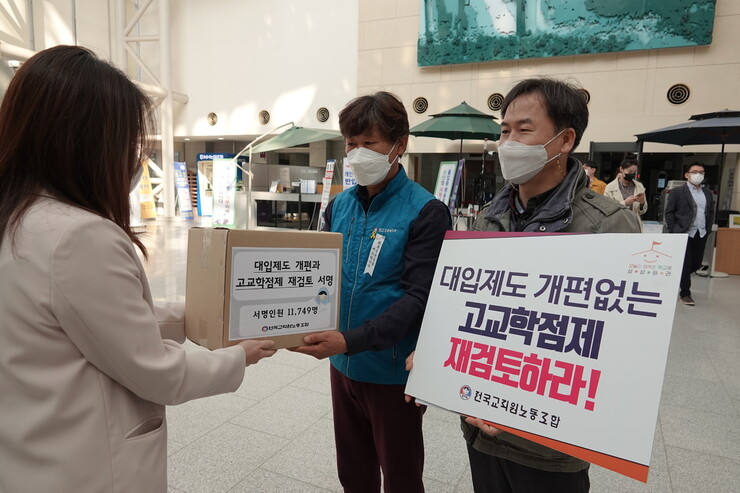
point(405, 315)
point(669, 214)
point(327, 216)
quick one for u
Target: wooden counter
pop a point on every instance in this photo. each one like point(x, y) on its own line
point(727, 256)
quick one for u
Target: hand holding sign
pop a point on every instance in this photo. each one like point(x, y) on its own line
point(409, 365)
point(483, 426)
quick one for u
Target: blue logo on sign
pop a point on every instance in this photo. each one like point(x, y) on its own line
point(465, 392)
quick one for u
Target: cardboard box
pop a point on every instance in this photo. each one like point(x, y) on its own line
point(335, 189)
point(279, 285)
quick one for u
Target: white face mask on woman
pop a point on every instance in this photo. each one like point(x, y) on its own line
point(368, 166)
point(520, 162)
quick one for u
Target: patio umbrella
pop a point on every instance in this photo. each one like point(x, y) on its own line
point(461, 122)
point(719, 127)
point(295, 136)
point(289, 138)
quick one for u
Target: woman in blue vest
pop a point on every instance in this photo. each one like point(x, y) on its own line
point(393, 230)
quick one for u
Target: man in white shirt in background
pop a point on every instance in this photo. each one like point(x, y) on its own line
point(690, 210)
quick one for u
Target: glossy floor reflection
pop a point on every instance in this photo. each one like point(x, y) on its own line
point(275, 433)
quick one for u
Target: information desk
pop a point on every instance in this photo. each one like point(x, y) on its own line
point(727, 256)
point(299, 213)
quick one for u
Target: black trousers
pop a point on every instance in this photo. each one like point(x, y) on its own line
point(494, 475)
point(692, 261)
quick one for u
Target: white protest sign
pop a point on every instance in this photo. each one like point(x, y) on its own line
point(561, 339)
point(281, 291)
point(445, 179)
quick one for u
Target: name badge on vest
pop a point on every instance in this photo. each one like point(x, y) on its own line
point(372, 258)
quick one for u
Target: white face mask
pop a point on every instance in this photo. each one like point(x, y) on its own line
point(696, 178)
point(368, 166)
point(136, 179)
point(520, 162)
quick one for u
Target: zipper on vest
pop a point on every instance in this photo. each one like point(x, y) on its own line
point(349, 307)
point(349, 232)
point(354, 282)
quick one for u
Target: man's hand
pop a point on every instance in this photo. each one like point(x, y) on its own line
point(410, 361)
point(487, 429)
point(323, 344)
point(409, 365)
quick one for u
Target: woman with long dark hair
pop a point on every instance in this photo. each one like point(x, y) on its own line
point(84, 370)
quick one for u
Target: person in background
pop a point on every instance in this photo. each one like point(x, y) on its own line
point(543, 121)
point(594, 183)
point(690, 210)
point(84, 371)
point(393, 231)
point(626, 190)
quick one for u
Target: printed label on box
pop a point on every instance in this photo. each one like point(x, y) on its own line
point(280, 291)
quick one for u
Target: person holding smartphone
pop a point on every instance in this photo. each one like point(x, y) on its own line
point(626, 190)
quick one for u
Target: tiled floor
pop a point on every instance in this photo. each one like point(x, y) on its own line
point(275, 433)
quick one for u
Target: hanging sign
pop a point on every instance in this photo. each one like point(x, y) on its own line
point(183, 191)
point(146, 196)
point(326, 190)
point(224, 192)
point(445, 178)
point(348, 176)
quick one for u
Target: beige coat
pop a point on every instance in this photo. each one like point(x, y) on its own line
point(84, 373)
point(612, 191)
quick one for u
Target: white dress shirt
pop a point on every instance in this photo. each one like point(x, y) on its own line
point(700, 221)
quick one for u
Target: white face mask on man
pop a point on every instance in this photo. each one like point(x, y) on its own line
point(368, 166)
point(520, 162)
point(696, 178)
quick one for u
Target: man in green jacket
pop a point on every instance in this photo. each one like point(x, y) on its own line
point(543, 122)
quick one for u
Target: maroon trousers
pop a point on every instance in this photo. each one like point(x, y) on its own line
point(374, 429)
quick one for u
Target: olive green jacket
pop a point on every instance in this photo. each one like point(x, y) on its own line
point(571, 208)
